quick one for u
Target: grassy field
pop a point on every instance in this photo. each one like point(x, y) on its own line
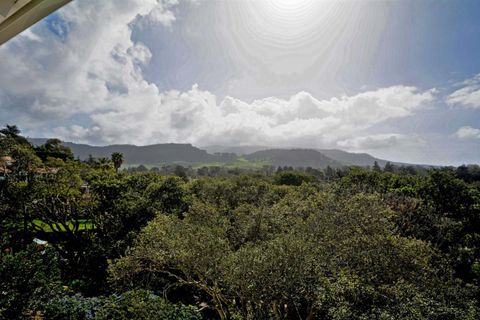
point(240, 163)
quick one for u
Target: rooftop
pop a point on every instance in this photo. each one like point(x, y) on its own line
point(18, 15)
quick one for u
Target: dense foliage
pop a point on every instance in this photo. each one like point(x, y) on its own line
point(87, 240)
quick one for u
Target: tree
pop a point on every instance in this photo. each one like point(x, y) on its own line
point(25, 161)
point(201, 247)
point(310, 255)
point(376, 167)
point(28, 280)
point(168, 196)
point(180, 172)
point(140, 168)
point(53, 148)
point(117, 159)
point(10, 131)
point(293, 178)
point(329, 173)
point(10, 135)
point(241, 245)
point(102, 163)
point(132, 305)
point(389, 167)
point(453, 208)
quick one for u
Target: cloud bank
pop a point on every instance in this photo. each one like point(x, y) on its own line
point(381, 141)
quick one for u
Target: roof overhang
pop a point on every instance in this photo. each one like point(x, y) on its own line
point(18, 15)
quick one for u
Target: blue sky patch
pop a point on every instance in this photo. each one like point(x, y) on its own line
point(57, 26)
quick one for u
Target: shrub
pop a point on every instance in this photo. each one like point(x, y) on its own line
point(131, 305)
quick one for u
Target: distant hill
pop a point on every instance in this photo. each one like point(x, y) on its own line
point(239, 150)
point(168, 153)
point(294, 158)
point(352, 159)
point(151, 154)
point(346, 158)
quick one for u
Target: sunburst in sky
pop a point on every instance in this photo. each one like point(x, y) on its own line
point(397, 79)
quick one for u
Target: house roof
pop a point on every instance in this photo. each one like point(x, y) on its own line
point(4, 161)
point(4, 170)
point(18, 15)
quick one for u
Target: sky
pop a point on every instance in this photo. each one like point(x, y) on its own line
point(397, 79)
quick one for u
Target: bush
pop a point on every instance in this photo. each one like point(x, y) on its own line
point(73, 307)
point(131, 305)
point(27, 280)
point(293, 178)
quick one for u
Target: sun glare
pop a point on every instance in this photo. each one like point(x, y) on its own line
point(285, 21)
point(290, 6)
point(289, 10)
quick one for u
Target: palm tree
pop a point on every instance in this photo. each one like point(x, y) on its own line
point(10, 131)
point(117, 159)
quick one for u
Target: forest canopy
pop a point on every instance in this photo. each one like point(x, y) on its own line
point(90, 240)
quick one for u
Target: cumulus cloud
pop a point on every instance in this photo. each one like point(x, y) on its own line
point(90, 80)
point(195, 116)
point(468, 132)
point(86, 70)
point(468, 95)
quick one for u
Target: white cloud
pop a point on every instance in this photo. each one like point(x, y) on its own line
point(381, 141)
point(468, 96)
point(196, 117)
point(468, 132)
point(163, 16)
point(94, 73)
point(59, 78)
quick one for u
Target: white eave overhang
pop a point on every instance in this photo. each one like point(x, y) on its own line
point(18, 15)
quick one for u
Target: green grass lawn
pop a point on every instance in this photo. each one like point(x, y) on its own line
point(84, 224)
point(240, 163)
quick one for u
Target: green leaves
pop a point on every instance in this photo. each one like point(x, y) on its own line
point(28, 279)
point(368, 245)
point(312, 253)
point(293, 178)
point(131, 305)
point(117, 159)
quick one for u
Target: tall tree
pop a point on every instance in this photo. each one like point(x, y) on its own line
point(53, 148)
point(117, 159)
point(389, 167)
point(10, 131)
point(11, 135)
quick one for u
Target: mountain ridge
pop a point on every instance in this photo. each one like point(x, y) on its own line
point(295, 158)
point(185, 153)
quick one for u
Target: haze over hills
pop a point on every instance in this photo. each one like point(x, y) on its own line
point(169, 153)
point(353, 159)
point(239, 150)
point(344, 157)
